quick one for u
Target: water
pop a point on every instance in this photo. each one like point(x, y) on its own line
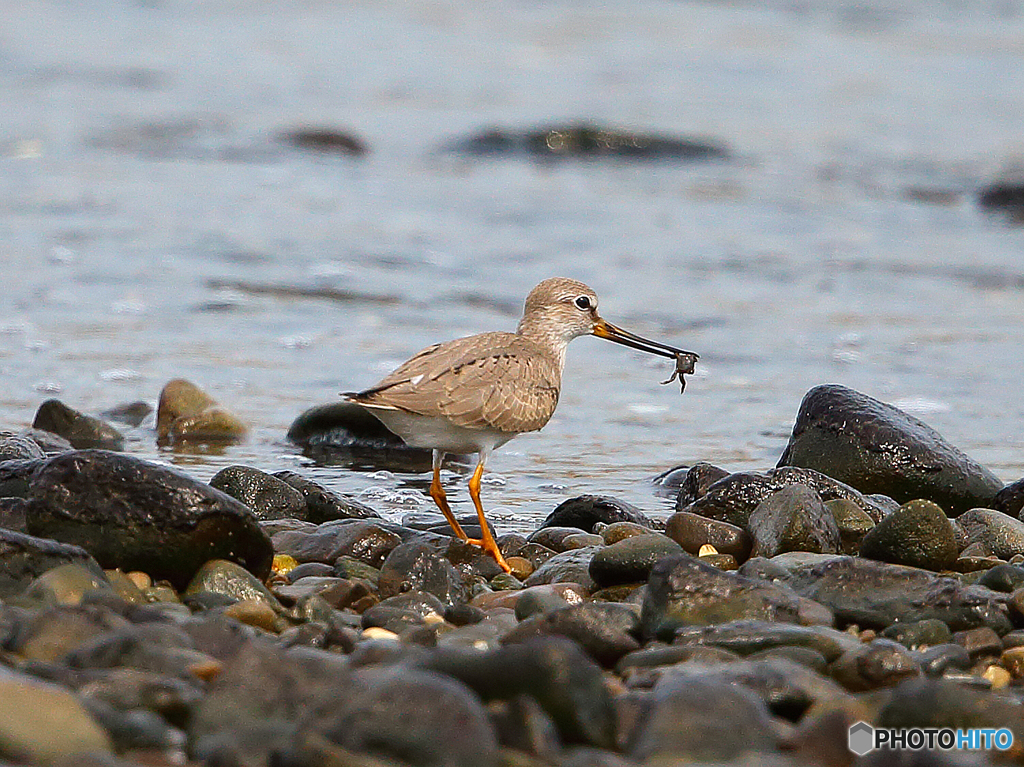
point(144, 193)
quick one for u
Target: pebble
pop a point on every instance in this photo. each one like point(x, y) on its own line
point(186, 413)
point(81, 430)
point(917, 535)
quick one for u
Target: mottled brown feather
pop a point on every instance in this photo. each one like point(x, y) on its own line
point(496, 380)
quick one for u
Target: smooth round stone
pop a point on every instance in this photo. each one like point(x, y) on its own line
point(879, 663)
point(349, 567)
point(565, 593)
point(522, 568)
point(505, 581)
point(136, 515)
point(567, 567)
point(323, 505)
point(25, 557)
point(66, 584)
point(314, 569)
point(552, 537)
point(218, 576)
point(267, 496)
point(793, 519)
point(999, 534)
point(918, 535)
point(721, 561)
point(186, 413)
point(254, 613)
point(1013, 661)
point(696, 482)
point(618, 531)
point(979, 642)
point(81, 430)
point(852, 522)
point(1003, 577)
point(918, 635)
point(691, 531)
point(581, 541)
point(585, 511)
point(630, 560)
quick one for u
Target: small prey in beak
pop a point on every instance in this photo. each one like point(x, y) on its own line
point(685, 360)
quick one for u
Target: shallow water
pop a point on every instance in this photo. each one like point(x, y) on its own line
point(147, 206)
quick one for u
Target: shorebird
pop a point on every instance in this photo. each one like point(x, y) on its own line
point(474, 394)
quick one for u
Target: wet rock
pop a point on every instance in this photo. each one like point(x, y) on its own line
point(522, 725)
point(942, 658)
point(999, 534)
point(418, 566)
point(852, 522)
point(747, 637)
point(793, 519)
point(683, 591)
point(67, 584)
point(630, 560)
point(979, 642)
point(16, 475)
point(533, 599)
point(25, 557)
point(82, 431)
point(567, 567)
point(585, 511)
point(1003, 577)
point(323, 505)
point(186, 413)
point(339, 593)
point(17, 447)
point(129, 689)
point(691, 531)
point(605, 630)
point(940, 703)
point(12, 517)
point(218, 576)
point(365, 541)
point(267, 496)
point(130, 413)
point(697, 481)
point(919, 634)
point(254, 706)
point(40, 723)
point(876, 594)
point(734, 498)
point(697, 720)
point(403, 611)
point(552, 537)
point(324, 140)
point(411, 715)
point(878, 448)
point(554, 671)
point(49, 634)
point(1006, 197)
point(135, 515)
point(1010, 500)
point(161, 648)
point(345, 426)
point(584, 140)
point(619, 531)
point(878, 663)
point(918, 535)
point(49, 442)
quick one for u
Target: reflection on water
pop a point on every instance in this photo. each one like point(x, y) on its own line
point(154, 226)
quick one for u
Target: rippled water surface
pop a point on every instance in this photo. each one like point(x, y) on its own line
point(148, 211)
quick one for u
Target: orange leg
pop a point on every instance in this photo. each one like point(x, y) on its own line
point(486, 541)
point(437, 493)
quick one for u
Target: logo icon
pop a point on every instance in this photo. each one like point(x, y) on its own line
point(861, 738)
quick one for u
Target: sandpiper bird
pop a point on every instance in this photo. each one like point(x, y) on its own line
point(474, 394)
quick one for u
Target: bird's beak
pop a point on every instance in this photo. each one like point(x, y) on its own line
point(604, 329)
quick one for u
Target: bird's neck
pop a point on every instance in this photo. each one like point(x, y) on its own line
point(548, 335)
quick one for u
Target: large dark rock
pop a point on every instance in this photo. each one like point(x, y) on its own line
point(919, 534)
point(554, 671)
point(877, 594)
point(585, 511)
point(605, 630)
point(793, 519)
point(697, 720)
point(323, 505)
point(697, 480)
point(81, 430)
point(343, 425)
point(417, 717)
point(733, 498)
point(136, 515)
point(683, 591)
point(420, 565)
point(878, 448)
point(24, 557)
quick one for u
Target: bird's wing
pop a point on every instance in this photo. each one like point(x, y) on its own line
point(484, 381)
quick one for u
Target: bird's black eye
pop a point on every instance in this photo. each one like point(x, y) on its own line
point(583, 302)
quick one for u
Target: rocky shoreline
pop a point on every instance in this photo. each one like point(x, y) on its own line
point(146, 618)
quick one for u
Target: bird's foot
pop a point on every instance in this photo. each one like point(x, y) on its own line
point(491, 548)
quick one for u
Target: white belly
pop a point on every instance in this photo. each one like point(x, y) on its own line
point(439, 433)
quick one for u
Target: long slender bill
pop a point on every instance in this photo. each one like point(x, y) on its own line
point(685, 361)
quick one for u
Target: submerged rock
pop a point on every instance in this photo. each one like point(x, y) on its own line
point(323, 505)
point(136, 515)
point(186, 413)
point(878, 448)
point(81, 430)
point(268, 497)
